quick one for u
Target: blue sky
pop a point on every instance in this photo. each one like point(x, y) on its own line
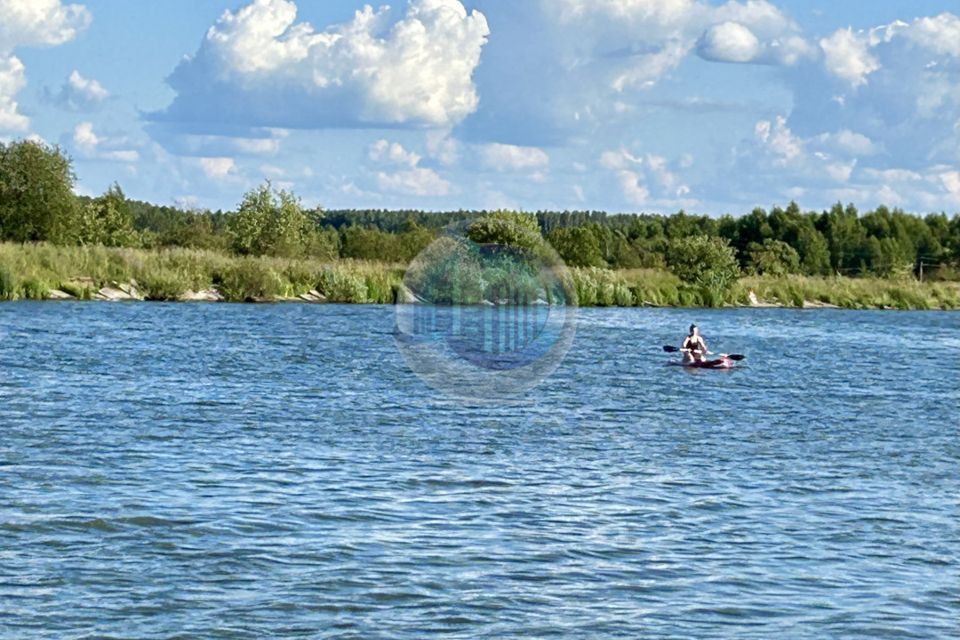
point(621, 105)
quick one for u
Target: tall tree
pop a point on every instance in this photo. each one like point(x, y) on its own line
point(269, 221)
point(36, 193)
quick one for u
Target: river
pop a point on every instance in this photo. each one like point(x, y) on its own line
point(277, 471)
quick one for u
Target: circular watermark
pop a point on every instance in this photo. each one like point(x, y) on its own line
point(485, 321)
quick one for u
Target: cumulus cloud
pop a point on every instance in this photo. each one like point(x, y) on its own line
point(417, 181)
point(847, 56)
point(735, 42)
point(392, 153)
point(30, 23)
point(79, 93)
point(39, 23)
point(777, 139)
point(647, 179)
point(401, 172)
point(95, 147)
point(508, 157)
point(258, 66)
point(829, 157)
point(217, 168)
point(650, 38)
point(841, 165)
point(898, 85)
point(729, 42)
point(12, 79)
point(259, 141)
point(592, 58)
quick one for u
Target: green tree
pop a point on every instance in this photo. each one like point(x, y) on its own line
point(107, 220)
point(773, 257)
point(271, 222)
point(710, 263)
point(577, 246)
point(507, 228)
point(36, 193)
point(845, 237)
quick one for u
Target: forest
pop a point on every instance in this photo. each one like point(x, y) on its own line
point(38, 205)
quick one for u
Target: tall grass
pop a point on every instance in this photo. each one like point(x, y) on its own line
point(851, 293)
point(31, 271)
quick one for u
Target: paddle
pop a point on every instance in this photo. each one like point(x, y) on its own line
point(736, 357)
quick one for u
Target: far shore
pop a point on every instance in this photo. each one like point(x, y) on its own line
point(128, 292)
point(49, 272)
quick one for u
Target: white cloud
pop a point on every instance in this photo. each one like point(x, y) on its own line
point(39, 23)
point(849, 143)
point(79, 93)
point(657, 35)
point(508, 157)
point(94, 147)
point(30, 23)
point(258, 66)
point(847, 56)
point(940, 34)
point(778, 140)
point(900, 89)
point(85, 138)
point(442, 147)
point(416, 182)
point(256, 142)
point(729, 42)
point(406, 176)
point(646, 180)
point(12, 79)
point(951, 181)
point(217, 168)
point(393, 153)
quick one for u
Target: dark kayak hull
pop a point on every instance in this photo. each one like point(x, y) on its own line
point(719, 363)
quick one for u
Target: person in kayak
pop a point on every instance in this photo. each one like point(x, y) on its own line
point(694, 347)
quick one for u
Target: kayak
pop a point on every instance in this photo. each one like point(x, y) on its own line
point(719, 363)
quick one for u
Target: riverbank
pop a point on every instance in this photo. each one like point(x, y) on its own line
point(48, 272)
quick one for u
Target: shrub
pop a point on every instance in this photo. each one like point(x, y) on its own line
point(707, 262)
point(339, 285)
point(162, 285)
point(34, 289)
point(248, 279)
point(8, 284)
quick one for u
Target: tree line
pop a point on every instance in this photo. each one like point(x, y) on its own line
point(38, 204)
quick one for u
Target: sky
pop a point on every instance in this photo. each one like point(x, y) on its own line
point(618, 105)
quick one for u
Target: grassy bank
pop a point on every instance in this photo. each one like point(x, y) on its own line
point(649, 287)
point(33, 271)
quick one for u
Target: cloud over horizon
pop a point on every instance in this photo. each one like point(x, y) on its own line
point(30, 23)
point(629, 105)
point(259, 67)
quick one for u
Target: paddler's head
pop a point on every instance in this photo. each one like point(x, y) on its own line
point(694, 329)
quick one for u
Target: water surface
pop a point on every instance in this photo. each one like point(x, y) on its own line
point(234, 471)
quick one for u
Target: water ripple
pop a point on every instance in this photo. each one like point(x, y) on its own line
point(230, 471)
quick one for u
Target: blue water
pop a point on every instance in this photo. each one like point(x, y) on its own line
point(221, 471)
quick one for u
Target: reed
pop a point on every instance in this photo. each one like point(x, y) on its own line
point(31, 271)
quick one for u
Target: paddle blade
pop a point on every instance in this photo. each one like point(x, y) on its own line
point(670, 349)
point(737, 357)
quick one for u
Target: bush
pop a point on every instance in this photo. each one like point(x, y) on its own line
point(341, 286)
point(709, 263)
point(34, 289)
point(248, 279)
point(773, 257)
point(8, 284)
point(507, 229)
point(162, 285)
